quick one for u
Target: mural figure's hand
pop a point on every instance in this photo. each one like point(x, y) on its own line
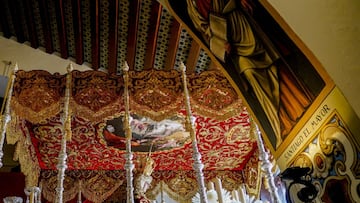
point(227, 48)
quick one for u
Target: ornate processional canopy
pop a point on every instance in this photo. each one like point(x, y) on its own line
point(156, 100)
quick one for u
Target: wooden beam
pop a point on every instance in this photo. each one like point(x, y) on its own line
point(15, 15)
point(213, 66)
point(175, 32)
point(29, 16)
point(1, 29)
point(60, 19)
point(133, 26)
point(193, 57)
point(4, 22)
point(113, 35)
point(155, 18)
point(95, 33)
point(45, 21)
point(79, 50)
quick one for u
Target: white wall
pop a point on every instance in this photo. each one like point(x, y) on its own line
point(331, 30)
point(29, 58)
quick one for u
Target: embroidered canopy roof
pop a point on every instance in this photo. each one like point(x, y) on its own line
point(222, 122)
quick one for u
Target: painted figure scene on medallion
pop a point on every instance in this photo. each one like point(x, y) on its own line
point(147, 134)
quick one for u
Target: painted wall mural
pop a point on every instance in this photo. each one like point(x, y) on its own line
point(328, 146)
point(333, 161)
point(278, 81)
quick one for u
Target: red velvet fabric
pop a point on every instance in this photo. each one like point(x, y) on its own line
point(12, 184)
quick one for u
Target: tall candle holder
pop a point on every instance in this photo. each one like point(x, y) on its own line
point(266, 166)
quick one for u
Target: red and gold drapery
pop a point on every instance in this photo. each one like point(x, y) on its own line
point(222, 122)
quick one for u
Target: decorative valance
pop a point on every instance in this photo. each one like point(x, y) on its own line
point(98, 186)
point(97, 96)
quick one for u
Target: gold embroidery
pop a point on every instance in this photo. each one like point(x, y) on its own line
point(96, 96)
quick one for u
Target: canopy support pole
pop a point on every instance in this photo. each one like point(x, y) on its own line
point(266, 166)
point(129, 166)
point(190, 122)
point(66, 133)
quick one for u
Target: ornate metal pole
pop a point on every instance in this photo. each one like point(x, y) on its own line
point(6, 117)
point(129, 166)
point(66, 131)
point(266, 166)
point(190, 122)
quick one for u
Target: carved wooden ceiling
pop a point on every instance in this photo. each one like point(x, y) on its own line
point(104, 34)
